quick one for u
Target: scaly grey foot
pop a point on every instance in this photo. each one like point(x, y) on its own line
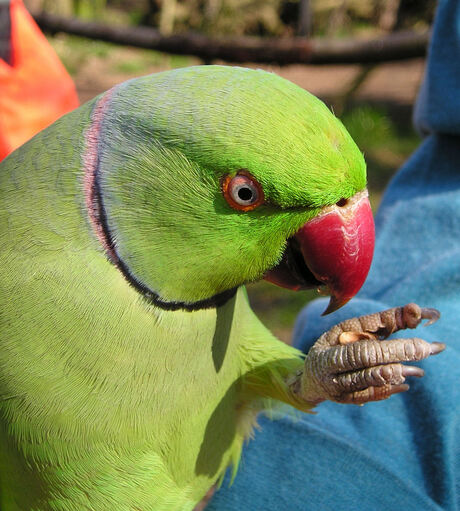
point(353, 363)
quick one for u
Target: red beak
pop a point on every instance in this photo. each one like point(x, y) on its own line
point(337, 248)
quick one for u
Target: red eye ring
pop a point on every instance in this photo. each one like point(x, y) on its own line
point(242, 191)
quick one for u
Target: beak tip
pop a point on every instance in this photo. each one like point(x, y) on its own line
point(334, 304)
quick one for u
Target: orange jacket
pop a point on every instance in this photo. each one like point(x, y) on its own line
point(35, 88)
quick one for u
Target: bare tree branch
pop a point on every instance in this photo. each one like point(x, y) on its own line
point(297, 50)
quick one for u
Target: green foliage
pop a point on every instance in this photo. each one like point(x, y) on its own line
point(386, 140)
point(331, 18)
point(143, 60)
point(90, 9)
point(140, 61)
point(75, 51)
point(369, 126)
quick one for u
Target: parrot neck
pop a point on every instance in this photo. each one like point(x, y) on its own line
point(101, 228)
point(214, 301)
point(94, 201)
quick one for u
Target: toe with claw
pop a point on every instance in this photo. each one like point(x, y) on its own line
point(353, 363)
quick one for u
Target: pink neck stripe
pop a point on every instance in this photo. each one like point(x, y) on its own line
point(91, 174)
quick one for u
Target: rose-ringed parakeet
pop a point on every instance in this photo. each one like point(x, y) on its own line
point(132, 367)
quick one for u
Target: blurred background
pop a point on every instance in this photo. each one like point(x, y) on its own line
point(373, 99)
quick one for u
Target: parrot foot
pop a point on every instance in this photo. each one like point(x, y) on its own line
point(352, 363)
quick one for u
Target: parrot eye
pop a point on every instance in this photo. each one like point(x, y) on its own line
point(242, 192)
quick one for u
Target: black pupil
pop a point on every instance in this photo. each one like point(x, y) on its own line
point(245, 194)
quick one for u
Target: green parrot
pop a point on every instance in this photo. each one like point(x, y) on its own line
point(132, 367)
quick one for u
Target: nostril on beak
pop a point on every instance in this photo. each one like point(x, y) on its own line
point(341, 203)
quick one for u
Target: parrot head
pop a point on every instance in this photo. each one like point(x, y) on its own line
point(202, 179)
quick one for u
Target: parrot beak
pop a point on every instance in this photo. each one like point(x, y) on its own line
point(334, 250)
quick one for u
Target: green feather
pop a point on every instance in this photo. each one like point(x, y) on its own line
point(108, 401)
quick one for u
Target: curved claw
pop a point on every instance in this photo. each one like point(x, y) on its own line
point(437, 347)
point(432, 314)
point(411, 315)
point(361, 397)
point(418, 372)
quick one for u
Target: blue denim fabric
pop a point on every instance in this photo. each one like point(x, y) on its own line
point(402, 453)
